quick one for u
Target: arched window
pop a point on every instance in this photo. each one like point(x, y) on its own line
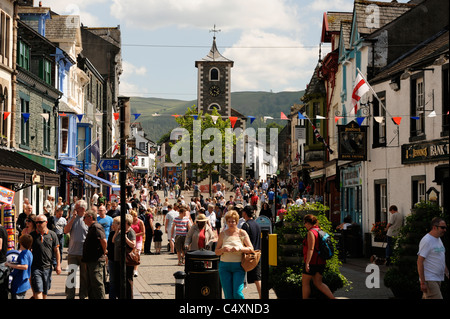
point(214, 74)
point(214, 106)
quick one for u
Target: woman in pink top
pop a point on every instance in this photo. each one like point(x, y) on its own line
point(139, 229)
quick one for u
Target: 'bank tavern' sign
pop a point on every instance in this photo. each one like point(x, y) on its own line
point(437, 150)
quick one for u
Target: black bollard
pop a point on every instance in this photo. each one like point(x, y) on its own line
point(179, 284)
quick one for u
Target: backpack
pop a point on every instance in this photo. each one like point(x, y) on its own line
point(326, 249)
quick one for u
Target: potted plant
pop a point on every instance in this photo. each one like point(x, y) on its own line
point(286, 277)
point(379, 231)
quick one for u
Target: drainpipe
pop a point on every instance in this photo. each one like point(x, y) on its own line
point(13, 99)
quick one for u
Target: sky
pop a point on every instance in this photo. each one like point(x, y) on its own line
point(274, 43)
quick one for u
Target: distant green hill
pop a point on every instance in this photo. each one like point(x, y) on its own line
point(257, 104)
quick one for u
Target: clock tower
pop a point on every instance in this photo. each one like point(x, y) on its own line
point(214, 82)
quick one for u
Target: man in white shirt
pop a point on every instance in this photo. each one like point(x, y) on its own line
point(431, 260)
point(170, 216)
point(212, 216)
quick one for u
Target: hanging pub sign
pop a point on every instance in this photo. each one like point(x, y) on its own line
point(352, 142)
point(437, 150)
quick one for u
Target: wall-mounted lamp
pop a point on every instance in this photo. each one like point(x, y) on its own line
point(395, 84)
point(408, 73)
point(441, 60)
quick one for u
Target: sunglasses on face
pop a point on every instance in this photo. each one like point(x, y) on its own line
point(39, 222)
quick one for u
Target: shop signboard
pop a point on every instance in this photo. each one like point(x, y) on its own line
point(429, 151)
point(352, 142)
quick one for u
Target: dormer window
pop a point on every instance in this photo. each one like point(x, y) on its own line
point(214, 74)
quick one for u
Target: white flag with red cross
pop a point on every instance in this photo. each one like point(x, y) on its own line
point(361, 88)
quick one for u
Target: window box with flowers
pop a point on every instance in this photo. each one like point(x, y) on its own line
point(379, 231)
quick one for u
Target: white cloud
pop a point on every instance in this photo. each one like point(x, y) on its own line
point(263, 67)
point(226, 14)
point(128, 79)
point(80, 8)
point(331, 5)
point(129, 69)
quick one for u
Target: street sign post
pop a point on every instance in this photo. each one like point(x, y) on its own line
point(109, 164)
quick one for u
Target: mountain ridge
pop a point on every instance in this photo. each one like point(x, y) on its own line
point(249, 103)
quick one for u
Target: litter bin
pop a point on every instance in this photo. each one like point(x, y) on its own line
point(202, 275)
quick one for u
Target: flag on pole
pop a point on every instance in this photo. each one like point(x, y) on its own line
point(361, 88)
point(95, 150)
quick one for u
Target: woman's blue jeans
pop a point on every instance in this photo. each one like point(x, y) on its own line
point(232, 277)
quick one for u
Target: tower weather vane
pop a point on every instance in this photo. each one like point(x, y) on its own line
point(215, 31)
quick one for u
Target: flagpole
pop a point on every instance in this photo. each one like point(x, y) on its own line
point(87, 147)
point(373, 91)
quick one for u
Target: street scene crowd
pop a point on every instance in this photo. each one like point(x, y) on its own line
point(223, 223)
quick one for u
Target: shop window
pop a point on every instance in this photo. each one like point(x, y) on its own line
point(64, 136)
point(379, 121)
point(417, 127)
point(25, 122)
point(418, 189)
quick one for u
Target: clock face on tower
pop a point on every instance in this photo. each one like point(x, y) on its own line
point(214, 90)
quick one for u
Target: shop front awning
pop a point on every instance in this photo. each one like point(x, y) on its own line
point(100, 180)
point(89, 182)
point(23, 172)
point(68, 169)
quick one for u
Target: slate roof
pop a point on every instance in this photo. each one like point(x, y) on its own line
point(61, 27)
point(315, 86)
point(388, 11)
point(214, 55)
point(425, 52)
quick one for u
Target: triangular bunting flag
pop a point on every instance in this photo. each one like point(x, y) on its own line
point(116, 116)
point(26, 116)
point(5, 115)
point(155, 114)
point(214, 118)
point(397, 120)
point(175, 115)
point(415, 117)
point(432, 114)
point(301, 117)
point(267, 118)
point(80, 117)
point(379, 119)
point(62, 114)
point(195, 117)
point(337, 118)
point(252, 118)
point(136, 115)
point(45, 116)
point(283, 116)
point(359, 120)
point(320, 117)
point(233, 120)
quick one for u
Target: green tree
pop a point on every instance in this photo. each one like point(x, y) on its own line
point(205, 140)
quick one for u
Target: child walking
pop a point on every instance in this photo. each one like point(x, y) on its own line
point(157, 238)
point(22, 269)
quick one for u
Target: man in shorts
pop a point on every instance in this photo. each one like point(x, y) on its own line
point(45, 244)
point(431, 260)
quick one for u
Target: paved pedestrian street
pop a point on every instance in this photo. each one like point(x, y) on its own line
point(155, 278)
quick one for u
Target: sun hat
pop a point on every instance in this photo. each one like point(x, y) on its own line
point(201, 218)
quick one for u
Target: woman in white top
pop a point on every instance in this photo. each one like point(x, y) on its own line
point(230, 246)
